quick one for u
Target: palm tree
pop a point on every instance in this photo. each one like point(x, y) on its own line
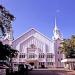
point(68, 47)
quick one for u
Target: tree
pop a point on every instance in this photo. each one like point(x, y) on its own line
point(7, 53)
point(68, 47)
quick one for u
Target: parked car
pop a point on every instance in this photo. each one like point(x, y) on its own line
point(29, 66)
point(24, 66)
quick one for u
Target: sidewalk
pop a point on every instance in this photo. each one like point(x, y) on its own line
point(68, 72)
point(50, 69)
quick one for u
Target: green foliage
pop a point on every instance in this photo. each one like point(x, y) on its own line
point(68, 47)
point(6, 54)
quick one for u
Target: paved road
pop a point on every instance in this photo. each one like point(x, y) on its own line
point(47, 72)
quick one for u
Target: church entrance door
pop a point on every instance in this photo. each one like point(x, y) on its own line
point(31, 63)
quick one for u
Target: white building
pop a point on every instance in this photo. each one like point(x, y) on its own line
point(34, 47)
point(37, 49)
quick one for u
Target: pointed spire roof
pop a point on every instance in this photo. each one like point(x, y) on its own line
point(56, 31)
point(55, 28)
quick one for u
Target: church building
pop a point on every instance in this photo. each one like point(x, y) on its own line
point(33, 47)
point(38, 50)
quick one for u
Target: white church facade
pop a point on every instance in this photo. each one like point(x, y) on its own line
point(33, 47)
point(38, 50)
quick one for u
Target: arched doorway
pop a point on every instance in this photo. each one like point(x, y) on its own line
point(32, 64)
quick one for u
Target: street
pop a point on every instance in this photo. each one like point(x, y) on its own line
point(47, 72)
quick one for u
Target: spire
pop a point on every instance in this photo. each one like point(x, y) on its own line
point(56, 31)
point(56, 28)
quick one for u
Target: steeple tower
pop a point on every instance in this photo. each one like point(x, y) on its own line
point(56, 32)
point(55, 28)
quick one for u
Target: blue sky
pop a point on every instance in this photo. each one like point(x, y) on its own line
point(40, 14)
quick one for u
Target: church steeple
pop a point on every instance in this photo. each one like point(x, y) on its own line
point(56, 32)
point(55, 28)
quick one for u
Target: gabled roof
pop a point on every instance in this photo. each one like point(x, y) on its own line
point(32, 29)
